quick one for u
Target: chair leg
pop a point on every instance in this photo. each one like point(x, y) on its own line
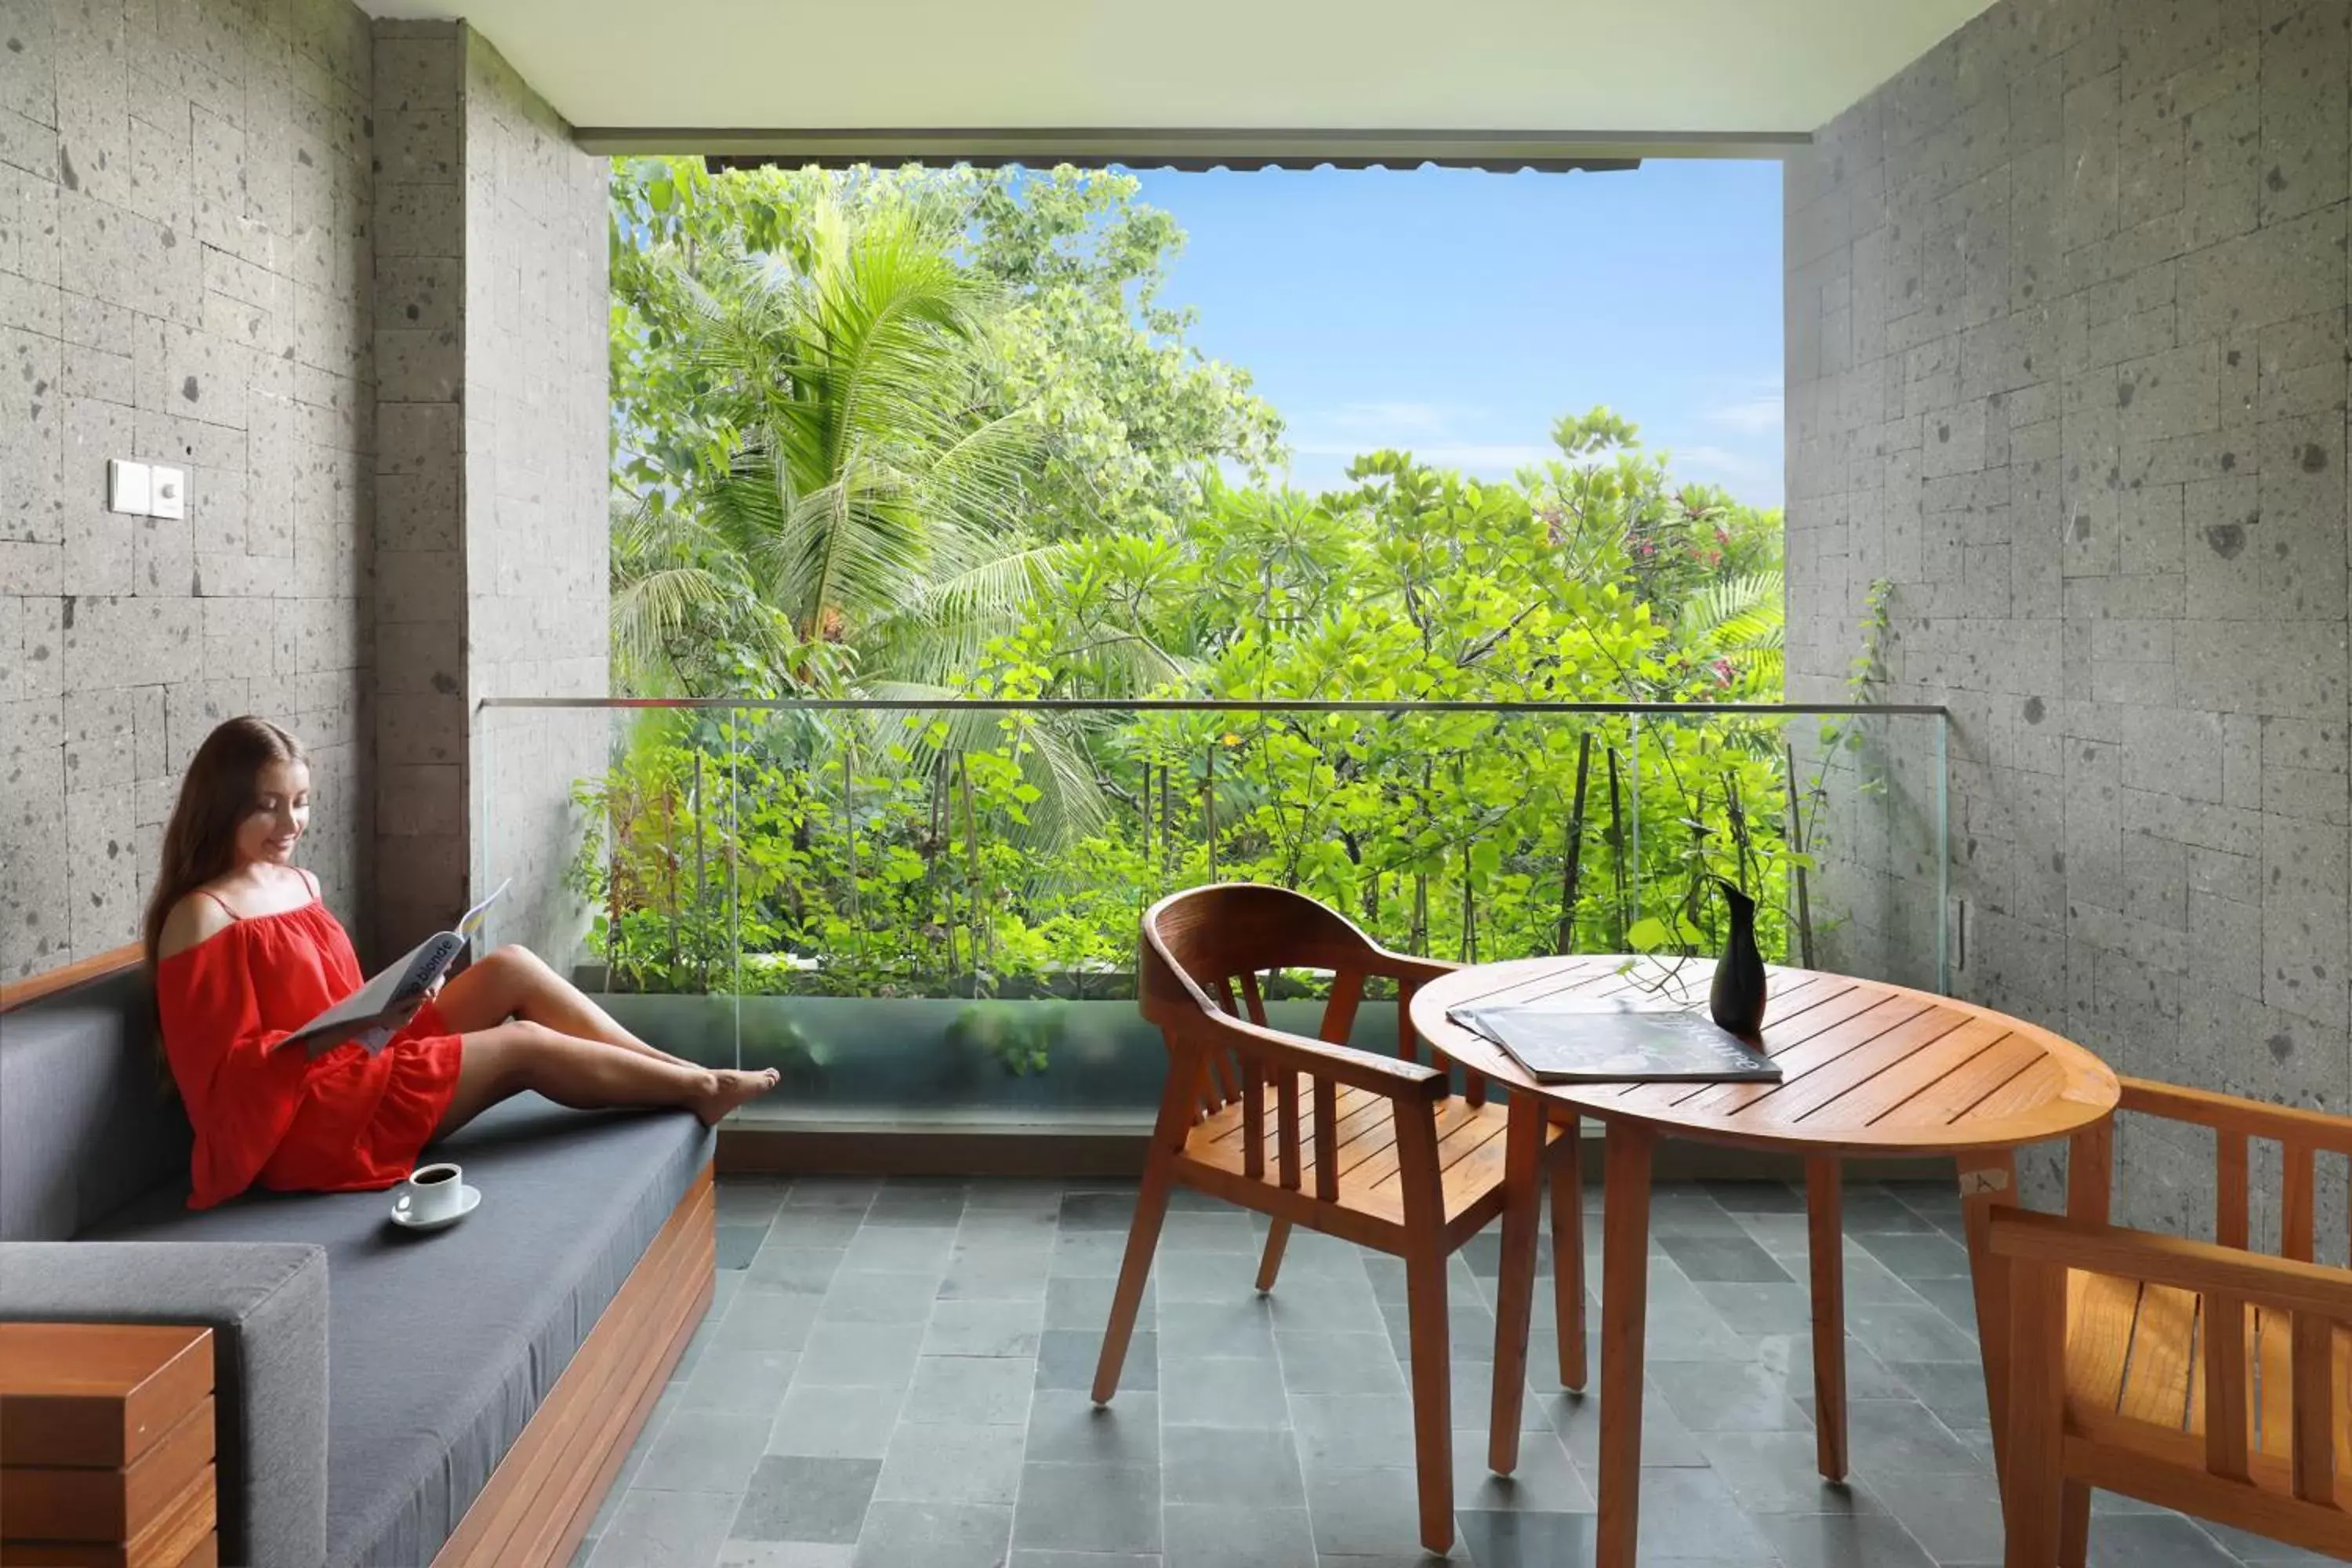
point(1568, 1256)
point(1278, 1236)
point(1134, 1272)
point(2074, 1525)
point(1433, 1389)
point(2032, 1469)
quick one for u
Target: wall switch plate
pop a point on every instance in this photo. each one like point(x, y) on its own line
point(128, 487)
point(171, 493)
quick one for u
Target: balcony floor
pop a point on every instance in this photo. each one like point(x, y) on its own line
point(893, 1375)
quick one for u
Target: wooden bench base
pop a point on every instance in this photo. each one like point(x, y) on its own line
point(544, 1493)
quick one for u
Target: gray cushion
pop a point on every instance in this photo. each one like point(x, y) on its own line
point(446, 1343)
point(87, 1122)
point(266, 1306)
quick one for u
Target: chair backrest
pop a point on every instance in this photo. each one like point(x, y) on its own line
point(1202, 953)
point(1200, 945)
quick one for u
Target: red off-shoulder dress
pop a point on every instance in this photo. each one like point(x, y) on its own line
point(346, 1121)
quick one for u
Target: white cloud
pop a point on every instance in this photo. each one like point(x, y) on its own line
point(1432, 432)
point(1718, 463)
point(1475, 457)
point(1755, 410)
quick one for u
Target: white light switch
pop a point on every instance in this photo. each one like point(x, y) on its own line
point(171, 496)
point(129, 487)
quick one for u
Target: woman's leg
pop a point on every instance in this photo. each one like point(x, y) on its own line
point(586, 1075)
point(516, 982)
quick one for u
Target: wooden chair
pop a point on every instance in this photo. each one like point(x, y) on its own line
point(2207, 1378)
point(1315, 1132)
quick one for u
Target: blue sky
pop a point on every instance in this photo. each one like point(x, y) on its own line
point(1458, 314)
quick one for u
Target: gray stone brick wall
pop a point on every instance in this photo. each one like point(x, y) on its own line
point(185, 269)
point(538, 409)
point(352, 277)
point(490, 321)
point(422, 478)
point(2066, 328)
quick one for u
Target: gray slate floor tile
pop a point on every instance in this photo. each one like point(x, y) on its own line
point(1842, 1541)
point(1222, 1393)
point(794, 1497)
point(1089, 1508)
point(664, 1530)
point(896, 1376)
point(820, 1421)
point(1067, 1358)
point(1690, 1512)
point(1732, 1257)
point(980, 1391)
point(750, 1384)
point(784, 1554)
point(1215, 1535)
point(934, 1535)
point(860, 1355)
point(1526, 1539)
point(1545, 1481)
point(2153, 1541)
point(1338, 1363)
point(1066, 1427)
point(1235, 1467)
point(984, 1328)
point(704, 1451)
point(870, 1296)
point(1363, 1511)
point(738, 1244)
point(948, 1464)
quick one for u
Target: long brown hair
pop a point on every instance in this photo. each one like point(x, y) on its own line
point(217, 794)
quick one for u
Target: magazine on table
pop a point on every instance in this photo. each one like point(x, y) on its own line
point(371, 1013)
point(1608, 1040)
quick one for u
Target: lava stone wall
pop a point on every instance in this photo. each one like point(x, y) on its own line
point(2066, 392)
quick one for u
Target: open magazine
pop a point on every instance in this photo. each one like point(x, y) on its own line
point(1608, 1040)
point(368, 1015)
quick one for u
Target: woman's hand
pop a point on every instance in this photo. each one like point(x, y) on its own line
point(401, 1018)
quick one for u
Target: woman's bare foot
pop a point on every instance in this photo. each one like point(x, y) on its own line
point(733, 1088)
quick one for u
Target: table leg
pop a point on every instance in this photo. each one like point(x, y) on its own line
point(1514, 1288)
point(1988, 1182)
point(1624, 1308)
point(1825, 1242)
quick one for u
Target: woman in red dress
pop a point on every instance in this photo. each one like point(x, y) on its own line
point(244, 953)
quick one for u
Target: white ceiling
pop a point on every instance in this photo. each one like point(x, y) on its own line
point(1613, 67)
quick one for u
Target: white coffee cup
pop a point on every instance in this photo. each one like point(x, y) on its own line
point(430, 1193)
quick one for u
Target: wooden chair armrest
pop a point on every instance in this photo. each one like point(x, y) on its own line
point(1406, 966)
point(2229, 1113)
point(1281, 1053)
point(2057, 1240)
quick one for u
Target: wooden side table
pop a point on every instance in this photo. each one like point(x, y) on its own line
point(106, 1445)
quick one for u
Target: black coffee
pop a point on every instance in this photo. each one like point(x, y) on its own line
point(428, 1178)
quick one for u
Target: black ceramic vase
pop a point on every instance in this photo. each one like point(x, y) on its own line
point(1736, 1002)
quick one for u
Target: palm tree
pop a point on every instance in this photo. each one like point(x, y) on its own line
point(1734, 627)
point(869, 505)
point(866, 537)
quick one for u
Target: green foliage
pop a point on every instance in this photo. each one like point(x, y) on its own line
point(931, 436)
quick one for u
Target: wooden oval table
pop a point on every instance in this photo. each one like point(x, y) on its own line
point(1868, 1070)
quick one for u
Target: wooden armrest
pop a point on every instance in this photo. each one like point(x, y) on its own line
point(1281, 1053)
point(2229, 1113)
point(1405, 966)
point(2052, 1238)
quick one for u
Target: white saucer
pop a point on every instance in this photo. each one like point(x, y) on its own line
point(468, 1200)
